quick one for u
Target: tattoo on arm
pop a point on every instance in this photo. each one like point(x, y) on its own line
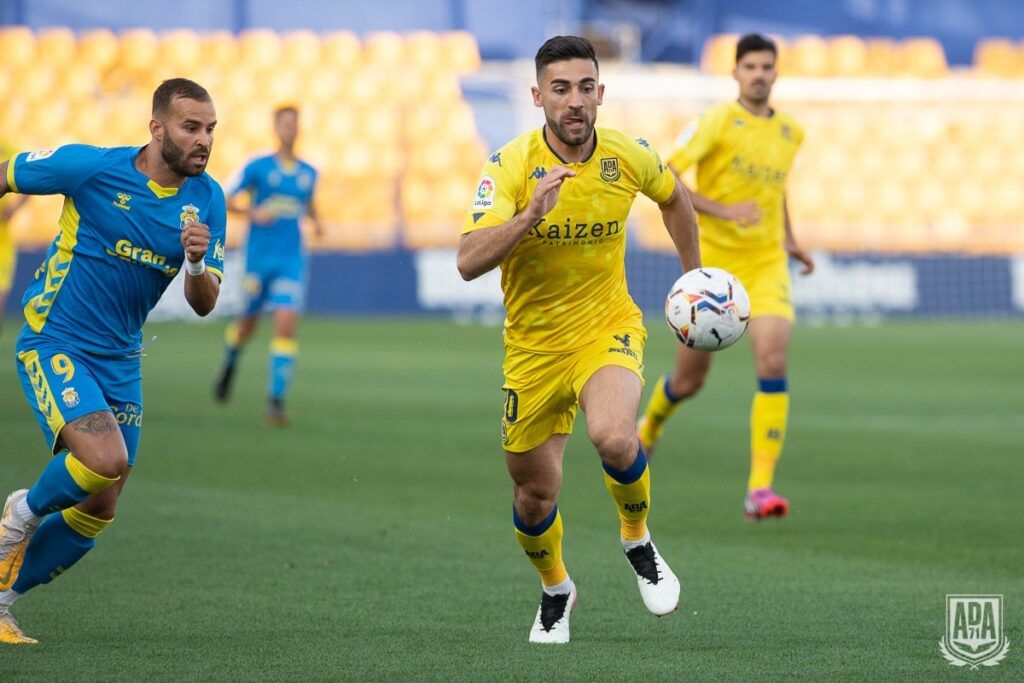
point(100, 422)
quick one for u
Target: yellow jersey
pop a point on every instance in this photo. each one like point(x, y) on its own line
point(740, 157)
point(565, 282)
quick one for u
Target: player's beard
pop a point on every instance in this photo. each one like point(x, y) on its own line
point(178, 161)
point(572, 139)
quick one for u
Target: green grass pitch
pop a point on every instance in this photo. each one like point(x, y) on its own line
point(373, 541)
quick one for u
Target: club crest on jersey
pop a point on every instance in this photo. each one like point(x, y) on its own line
point(189, 214)
point(485, 193)
point(610, 169)
point(70, 397)
point(39, 155)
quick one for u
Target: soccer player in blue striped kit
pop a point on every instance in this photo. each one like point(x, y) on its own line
point(132, 219)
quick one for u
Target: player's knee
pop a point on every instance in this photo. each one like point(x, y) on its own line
point(771, 364)
point(111, 463)
point(535, 502)
point(615, 446)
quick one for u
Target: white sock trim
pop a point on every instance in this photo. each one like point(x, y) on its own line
point(24, 513)
point(559, 589)
point(629, 545)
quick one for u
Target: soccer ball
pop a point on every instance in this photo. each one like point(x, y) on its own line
point(708, 309)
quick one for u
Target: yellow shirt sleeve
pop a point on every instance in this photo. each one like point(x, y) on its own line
point(501, 183)
point(695, 141)
point(656, 179)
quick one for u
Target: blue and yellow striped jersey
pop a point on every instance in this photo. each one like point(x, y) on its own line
point(119, 244)
point(286, 189)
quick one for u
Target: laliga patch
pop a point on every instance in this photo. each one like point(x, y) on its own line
point(40, 154)
point(70, 397)
point(485, 193)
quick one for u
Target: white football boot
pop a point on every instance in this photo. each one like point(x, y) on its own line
point(552, 622)
point(659, 586)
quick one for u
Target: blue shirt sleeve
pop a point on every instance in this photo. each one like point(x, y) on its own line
point(243, 181)
point(217, 223)
point(53, 171)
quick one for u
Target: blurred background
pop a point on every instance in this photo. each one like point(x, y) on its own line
point(908, 183)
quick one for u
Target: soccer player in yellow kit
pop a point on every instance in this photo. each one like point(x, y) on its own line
point(743, 151)
point(551, 209)
point(8, 253)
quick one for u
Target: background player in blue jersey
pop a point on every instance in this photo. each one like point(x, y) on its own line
point(280, 188)
point(132, 218)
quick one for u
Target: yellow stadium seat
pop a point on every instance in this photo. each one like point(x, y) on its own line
point(181, 50)
point(259, 48)
point(809, 57)
point(848, 56)
point(423, 51)
point(98, 48)
point(77, 83)
point(340, 50)
point(719, 55)
point(57, 44)
point(140, 50)
point(18, 46)
point(996, 57)
point(35, 83)
point(882, 57)
point(300, 50)
point(384, 50)
point(461, 52)
point(219, 47)
point(924, 58)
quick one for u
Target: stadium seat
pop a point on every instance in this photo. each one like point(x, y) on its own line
point(340, 50)
point(58, 44)
point(139, 50)
point(461, 52)
point(719, 54)
point(847, 56)
point(423, 49)
point(997, 57)
point(300, 51)
point(809, 57)
point(259, 48)
point(882, 57)
point(384, 50)
point(181, 50)
point(98, 48)
point(18, 46)
point(924, 58)
point(219, 47)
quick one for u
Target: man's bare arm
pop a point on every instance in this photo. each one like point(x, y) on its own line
point(681, 223)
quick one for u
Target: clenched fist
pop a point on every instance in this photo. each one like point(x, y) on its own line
point(195, 237)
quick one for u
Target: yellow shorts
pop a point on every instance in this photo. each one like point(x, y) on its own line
point(8, 260)
point(542, 389)
point(764, 274)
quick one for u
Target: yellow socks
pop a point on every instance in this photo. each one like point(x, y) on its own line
point(631, 489)
point(768, 416)
point(543, 546)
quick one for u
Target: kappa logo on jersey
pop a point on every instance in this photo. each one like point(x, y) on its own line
point(218, 250)
point(189, 214)
point(122, 201)
point(39, 155)
point(70, 397)
point(496, 158)
point(787, 133)
point(610, 168)
point(538, 173)
point(485, 193)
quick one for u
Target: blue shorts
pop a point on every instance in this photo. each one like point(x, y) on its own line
point(62, 384)
point(274, 286)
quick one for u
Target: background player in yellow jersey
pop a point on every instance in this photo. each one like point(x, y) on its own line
point(8, 253)
point(551, 210)
point(743, 151)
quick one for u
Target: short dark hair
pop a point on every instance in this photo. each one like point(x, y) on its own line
point(755, 42)
point(285, 109)
point(563, 48)
point(172, 89)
